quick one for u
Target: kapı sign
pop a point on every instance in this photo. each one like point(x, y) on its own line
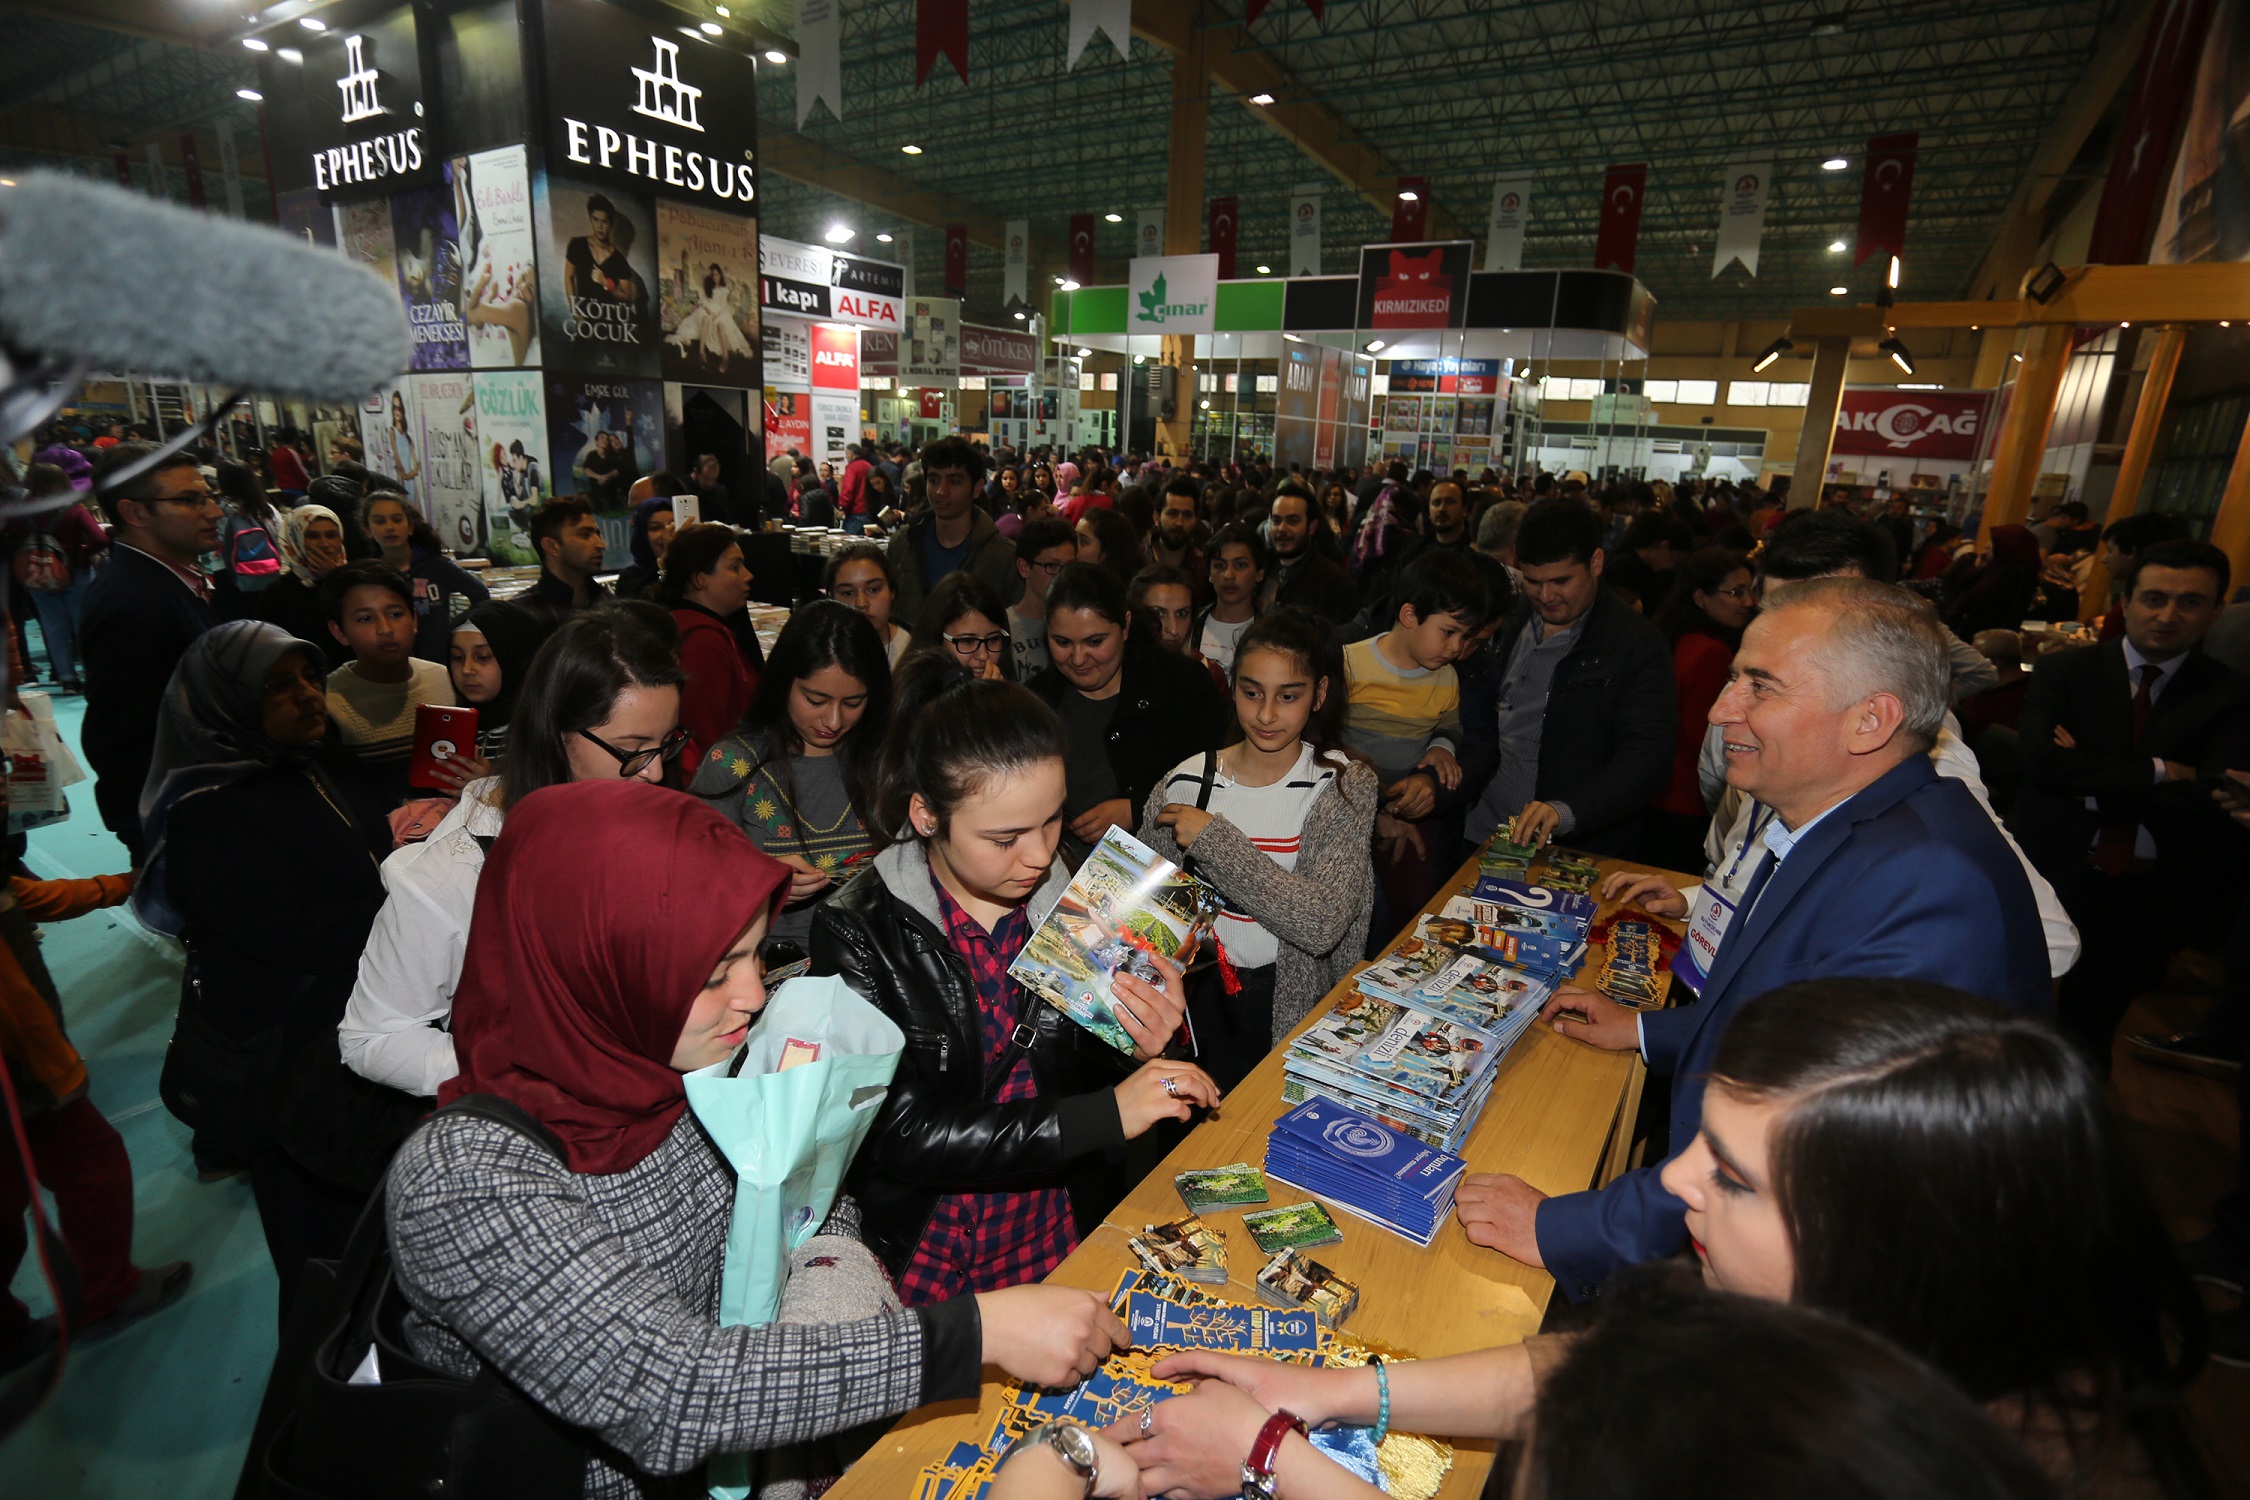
point(812, 281)
point(1917, 424)
point(633, 105)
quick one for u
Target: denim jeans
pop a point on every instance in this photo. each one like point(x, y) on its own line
point(58, 626)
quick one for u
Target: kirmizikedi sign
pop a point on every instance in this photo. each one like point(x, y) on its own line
point(648, 107)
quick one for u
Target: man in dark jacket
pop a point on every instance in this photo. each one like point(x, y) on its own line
point(1301, 572)
point(1572, 738)
point(953, 534)
point(569, 540)
point(142, 612)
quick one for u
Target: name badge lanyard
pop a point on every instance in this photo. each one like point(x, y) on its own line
point(1715, 909)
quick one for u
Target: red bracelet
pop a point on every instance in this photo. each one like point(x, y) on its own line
point(1257, 1469)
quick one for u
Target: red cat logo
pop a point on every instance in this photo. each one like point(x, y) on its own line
point(1414, 293)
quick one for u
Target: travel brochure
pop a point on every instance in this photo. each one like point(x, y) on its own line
point(1126, 904)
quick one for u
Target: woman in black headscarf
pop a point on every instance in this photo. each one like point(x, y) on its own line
point(489, 657)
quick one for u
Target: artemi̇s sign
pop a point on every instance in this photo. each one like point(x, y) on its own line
point(648, 106)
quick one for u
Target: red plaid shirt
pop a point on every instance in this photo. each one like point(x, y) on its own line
point(981, 1242)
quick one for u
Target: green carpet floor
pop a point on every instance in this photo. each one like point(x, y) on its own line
point(164, 1408)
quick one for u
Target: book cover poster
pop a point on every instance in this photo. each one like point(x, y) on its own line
point(426, 252)
point(511, 461)
point(363, 233)
point(391, 439)
point(452, 491)
point(302, 216)
point(707, 295)
point(788, 422)
point(597, 277)
point(499, 286)
point(1126, 903)
point(603, 435)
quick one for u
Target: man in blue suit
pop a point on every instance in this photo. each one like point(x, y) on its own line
point(1870, 864)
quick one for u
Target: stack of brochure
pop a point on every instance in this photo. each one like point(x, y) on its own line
point(1365, 1168)
point(1422, 1076)
point(1455, 985)
point(1576, 910)
point(1545, 944)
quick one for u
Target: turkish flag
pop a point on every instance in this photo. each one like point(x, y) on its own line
point(1883, 190)
point(191, 162)
point(1223, 235)
point(1619, 241)
point(1082, 249)
point(2143, 153)
point(957, 260)
point(941, 26)
point(1410, 218)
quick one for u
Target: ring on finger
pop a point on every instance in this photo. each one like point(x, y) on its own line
point(1148, 1421)
point(1171, 1085)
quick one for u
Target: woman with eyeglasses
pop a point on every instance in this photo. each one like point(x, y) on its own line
point(964, 620)
point(601, 702)
point(1711, 601)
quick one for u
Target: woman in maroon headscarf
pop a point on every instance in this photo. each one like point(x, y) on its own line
point(1998, 595)
point(613, 949)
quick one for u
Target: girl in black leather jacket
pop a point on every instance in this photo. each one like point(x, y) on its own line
point(986, 1164)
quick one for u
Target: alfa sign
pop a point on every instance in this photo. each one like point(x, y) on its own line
point(812, 281)
point(1172, 294)
point(1912, 424)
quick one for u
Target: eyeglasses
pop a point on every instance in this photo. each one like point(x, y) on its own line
point(1048, 568)
point(1740, 591)
point(633, 762)
point(993, 644)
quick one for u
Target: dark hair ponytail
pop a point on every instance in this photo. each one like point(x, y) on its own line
point(951, 733)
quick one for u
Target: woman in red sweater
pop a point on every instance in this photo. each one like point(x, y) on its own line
point(1711, 600)
point(706, 585)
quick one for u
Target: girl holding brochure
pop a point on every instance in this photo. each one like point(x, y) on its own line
point(1278, 822)
point(987, 1162)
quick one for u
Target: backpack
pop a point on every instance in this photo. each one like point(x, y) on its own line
point(250, 555)
point(41, 564)
point(419, 1431)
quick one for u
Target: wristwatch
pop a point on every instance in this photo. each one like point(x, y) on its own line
point(1257, 1469)
point(1072, 1442)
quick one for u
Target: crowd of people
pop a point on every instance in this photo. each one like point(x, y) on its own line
point(1883, 1195)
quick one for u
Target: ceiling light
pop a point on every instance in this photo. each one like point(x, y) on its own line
point(254, 43)
point(1265, 270)
point(1896, 349)
point(11, 182)
point(1140, 359)
point(1205, 403)
point(1893, 280)
point(1373, 345)
point(883, 239)
point(1834, 164)
point(2017, 358)
point(1019, 315)
point(289, 54)
point(722, 10)
point(1838, 291)
point(1059, 281)
point(1113, 218)
point(1770, 353)
point(250, 94)
point(911, 149)
point(1261, 98)
point(1837, 247)
point(2223, 323)
point(776, 56)
point(1068, 285)
point(2124, 325)
point(1409, 197)
point(1085, 353)
point(838, 234)
point(710, 28)
point(1921, 385)
point(312, 25)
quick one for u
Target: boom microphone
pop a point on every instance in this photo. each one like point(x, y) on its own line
point(93, 274)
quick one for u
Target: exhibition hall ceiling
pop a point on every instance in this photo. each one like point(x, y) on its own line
point(1458, 91)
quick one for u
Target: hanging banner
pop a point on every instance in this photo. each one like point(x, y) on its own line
point(2143, 153)
point(1410, 210)
point(159, 182)
point(124, 165)
point(191, 163)
point(1414, 286)
point(819, 50)
point(1082, 249)
point(941, 26)
point(1883, 191)
point(1304, 232)
point(1112, 18)
point(1223, 227)
point(930, 350)
point(1172, 294)
point(1017, 259)
point(1619, 240)
point(1503, 232)
point(957, 260)
point(1742, 216)
point(1150, 239)
point(230, 172)
point(904, 250)
point(1911, 424)
point(835, 392)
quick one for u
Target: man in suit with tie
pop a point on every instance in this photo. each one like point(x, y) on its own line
point(1868, 863)
point(2122, 743)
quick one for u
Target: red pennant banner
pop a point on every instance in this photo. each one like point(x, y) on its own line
point(957, 260)
point(1082, 249)
point(191, 162)
point(1884, 188)
point(124, 170)
point(1618, 243)
point(2143, 153)
point(1223, 218)
point(941, 26)
point(1410, 211)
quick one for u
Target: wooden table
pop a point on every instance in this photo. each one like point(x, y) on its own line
point(1560, 1116)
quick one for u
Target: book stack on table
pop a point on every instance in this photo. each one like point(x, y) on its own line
point(1417, 1074)
point(1365, 1168)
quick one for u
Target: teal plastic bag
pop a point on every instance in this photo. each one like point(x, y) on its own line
point(789, 1136)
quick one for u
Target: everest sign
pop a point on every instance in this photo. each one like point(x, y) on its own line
point(1912, 424)
point(1172, 294)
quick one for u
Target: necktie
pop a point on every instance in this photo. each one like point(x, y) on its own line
point(2114, 844)
point(1757, 884)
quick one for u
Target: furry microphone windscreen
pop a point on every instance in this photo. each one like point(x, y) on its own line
point(92, 270)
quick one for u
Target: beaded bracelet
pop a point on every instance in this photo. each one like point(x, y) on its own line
point(1383, 1396)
